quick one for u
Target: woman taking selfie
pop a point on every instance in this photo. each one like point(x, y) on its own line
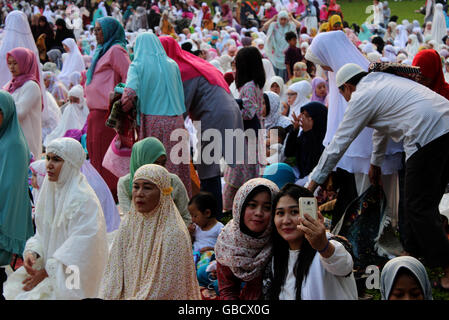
point(307, 263)
point(243, 247)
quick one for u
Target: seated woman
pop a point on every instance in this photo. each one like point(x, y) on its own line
point(70, 240)
point(307, 146)
point(307, 263)
point(151, 257)
point(243, 247)
point(148, 151)
point(405, 278)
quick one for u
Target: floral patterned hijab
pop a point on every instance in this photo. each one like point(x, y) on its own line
point(245, 255)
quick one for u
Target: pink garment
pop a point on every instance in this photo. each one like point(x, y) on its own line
point(192, 66)
point(29, 70)
point(271, 12)
point(323, 12)
point(111, 69)
point(300, 8)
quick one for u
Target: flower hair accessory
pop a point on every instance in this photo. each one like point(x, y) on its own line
point(167, 191)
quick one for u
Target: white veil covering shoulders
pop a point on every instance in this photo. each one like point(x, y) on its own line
point(74, 116)
point(18, 34)
point(334, 49)
point(438, 24)
point(74, 62)
point(70, 233)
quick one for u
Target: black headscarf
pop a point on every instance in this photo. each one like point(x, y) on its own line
point(47, 29)
point(379, 42)
point(307, 148)
point(62, 34)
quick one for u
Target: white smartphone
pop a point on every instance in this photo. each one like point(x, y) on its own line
point(309, 206)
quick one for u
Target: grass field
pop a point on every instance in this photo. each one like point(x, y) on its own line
point(355, 10)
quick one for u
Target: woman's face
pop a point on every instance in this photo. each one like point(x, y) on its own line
point(98, 31)
point(257, 212)
point(67, 49)
point(74, 100)
point(283, 21)
point(161, 160)
point(54, 165)
point(321, 90)
point(297, 72)
point(34, 181)
point(47, 82)
point(146, 195)
point(13, 66)
point(406, 288)
point(275, 88)
point(286, 221)
point(291, 97)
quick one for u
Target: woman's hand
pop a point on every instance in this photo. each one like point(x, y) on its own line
point(296, 121)
point(34, 280)
point(28, 262)
point(191, 228)
point(315, 233)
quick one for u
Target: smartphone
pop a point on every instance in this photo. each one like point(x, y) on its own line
point(309, 206)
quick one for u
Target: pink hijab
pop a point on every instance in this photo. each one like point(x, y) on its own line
point(192, 66)
point(29, 70)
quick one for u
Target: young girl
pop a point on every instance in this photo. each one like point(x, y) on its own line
point(307, 263)
point(243, 248)
point(405, 278)
point(319, 90)
point(299, 73)
point(250, 80)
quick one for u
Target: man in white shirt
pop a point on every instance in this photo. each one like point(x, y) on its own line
point(406, 111)
point(378, 12)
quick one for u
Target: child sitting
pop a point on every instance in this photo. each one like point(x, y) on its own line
point(299, 73)
point(204, 231)
point(275, 145)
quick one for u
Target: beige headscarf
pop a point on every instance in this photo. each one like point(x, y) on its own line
point(246, 256)
point(151, 257)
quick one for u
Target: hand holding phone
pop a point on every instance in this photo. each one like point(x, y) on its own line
point(309, 206)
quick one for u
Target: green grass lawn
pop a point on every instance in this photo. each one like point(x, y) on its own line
point(355, 10)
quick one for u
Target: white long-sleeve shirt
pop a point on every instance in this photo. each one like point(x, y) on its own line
point(395, 107)
point(328, 278)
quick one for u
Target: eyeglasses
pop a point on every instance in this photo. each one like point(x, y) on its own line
point(290, 94)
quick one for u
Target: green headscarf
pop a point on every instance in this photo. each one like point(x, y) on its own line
point(16, 225)
point(113, 33)
point(145, 151)
point(364, 33)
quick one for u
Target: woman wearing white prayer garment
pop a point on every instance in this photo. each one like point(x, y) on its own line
point(412, 46)
point(73, 62)
point(74, 115)
point(298, 95)
point(438, 25)
point(332, 50)
point(66, 257)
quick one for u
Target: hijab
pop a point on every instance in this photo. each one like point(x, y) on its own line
point(151, 256)
point(310, 143)
point(275, 117)
point(245, 255)
point(315, 82)
point(155, 78)
point(39, 169)
point(279, 173)
point(412, 48)
point(431, 67)
point(145, 151)
point(16, 225)
point(113, 34)
point(413, 265)
point(280, 82)
point(192, 66)
point(73, 63)
point(303, 89)
point(364, 33)
point(55, 56)
point(63, 33)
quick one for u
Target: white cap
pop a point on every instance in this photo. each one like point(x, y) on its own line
point(346, 72)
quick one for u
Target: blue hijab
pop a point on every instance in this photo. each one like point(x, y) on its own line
point(113, 33)
point(16, 225)
point(280, 173)
point(155, 78)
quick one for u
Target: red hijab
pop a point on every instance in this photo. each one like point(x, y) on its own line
point(29, 70)
point(429, 62)
point(192, 66)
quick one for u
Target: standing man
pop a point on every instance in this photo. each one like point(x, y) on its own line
point(109, 67)
point(406, 111)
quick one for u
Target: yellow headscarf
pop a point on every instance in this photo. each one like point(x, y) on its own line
point(333, 20)
point(324, 27)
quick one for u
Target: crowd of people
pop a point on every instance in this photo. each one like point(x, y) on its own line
point(119, 171)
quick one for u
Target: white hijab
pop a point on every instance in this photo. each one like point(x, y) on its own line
point(438, 24)
point(401, 36)
point(412, 48)
point(334, 49)
point(73, 62)
point(269, 72)
point(74, 116)
point(304, 90)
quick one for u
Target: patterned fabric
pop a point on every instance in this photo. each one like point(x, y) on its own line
point(402, 70)
point(151, 257)
point(244, 255)
point(161, 128)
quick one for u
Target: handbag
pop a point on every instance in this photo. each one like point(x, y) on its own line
point(117, 158)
